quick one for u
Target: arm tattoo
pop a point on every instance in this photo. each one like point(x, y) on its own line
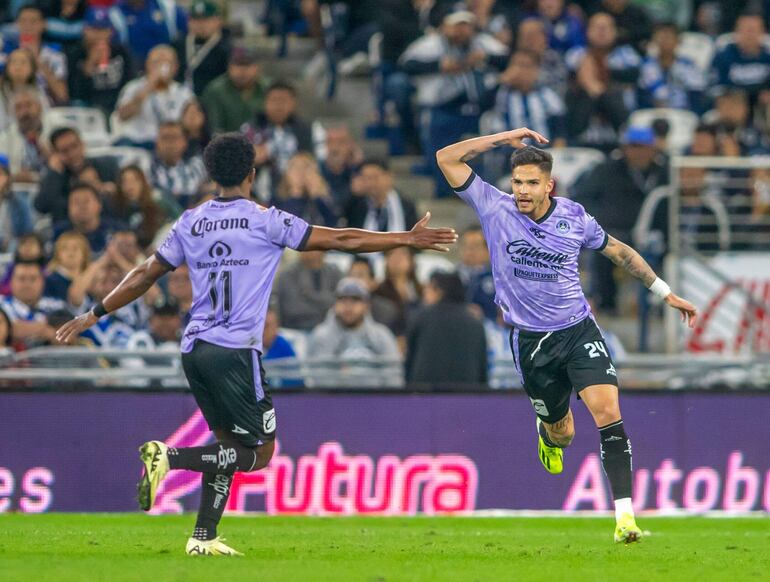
point(624, 256)
point(500, 142)
point(469, 156)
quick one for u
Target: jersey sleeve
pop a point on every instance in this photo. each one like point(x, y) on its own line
point(479, 194)
point(594, 236)
point(287, 230)
point(171, 252)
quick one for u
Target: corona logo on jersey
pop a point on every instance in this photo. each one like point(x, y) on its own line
point(334, 482)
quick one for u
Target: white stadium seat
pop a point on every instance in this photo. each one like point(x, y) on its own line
point(569, 163)
point(682, 125)
point(88, 121)
point(697, 47)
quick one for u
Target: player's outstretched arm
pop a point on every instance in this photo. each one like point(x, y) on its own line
point(624, 256)
point(453, 159)
point(355, 240)
point(135, 284)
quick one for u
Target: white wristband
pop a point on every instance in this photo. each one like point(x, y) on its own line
point(660, 288)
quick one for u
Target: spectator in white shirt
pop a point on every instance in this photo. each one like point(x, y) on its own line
point(172, 172)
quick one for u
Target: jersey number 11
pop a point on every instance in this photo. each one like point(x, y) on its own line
point(227, 294)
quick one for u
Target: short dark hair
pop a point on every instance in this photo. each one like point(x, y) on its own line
point(33, 263)
point(85, 186)
point(362, 260)
point(532, 156)
point(381, 163)
point(449, 285)
point(60, 132)
point(666, 25)
point(30, 6)
point(282, 86)
point(229, 159)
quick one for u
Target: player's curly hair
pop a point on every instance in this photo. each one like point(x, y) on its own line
point(229, 158)
point(532, 156)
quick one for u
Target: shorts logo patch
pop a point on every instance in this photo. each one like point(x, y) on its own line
point(539, 406)
point(238, 430)
point(562, 226)
point(268, 420)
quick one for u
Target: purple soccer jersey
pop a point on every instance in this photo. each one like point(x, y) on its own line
point(232, 247)
point(535, 264)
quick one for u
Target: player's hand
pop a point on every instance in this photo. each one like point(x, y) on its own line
point(686, 309)
point(514, 137)
point(70, 331)
point(436, 239)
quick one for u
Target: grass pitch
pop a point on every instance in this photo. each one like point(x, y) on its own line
point(139, 547)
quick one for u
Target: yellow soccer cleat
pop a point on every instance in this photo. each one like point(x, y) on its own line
point(154, 455)
point(551, 457)
point(626, 530)
point(214, 547)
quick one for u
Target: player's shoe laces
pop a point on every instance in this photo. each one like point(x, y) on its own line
point(154, 455)
point(626, 530)
point(551, 457)
point(214, 547)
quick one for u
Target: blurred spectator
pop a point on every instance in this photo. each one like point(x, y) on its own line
point(180, 289)
point(66, 162)
point(602, 86)
point(196, 128)
point(204, 51)
point(165, 323)
point(15, 210)
point(27, 307)
point(64, 21)
point(23, 140)
point(305, 291)
point(343, 158)
point(565, 30)
point(20, 73)
point(377, 205)
point(531, 36)
point(446, 344)
point(144, 24)
point(383, 310)
point(99, 66)
point(135, 205)
point(678, 12)
point(475, 272)
point(614, 191)
point(29, 249)
point(278, 133)
point(71, 257)
point(633, 23)
point(304, 192)
point(275, 345)
point(708, 18)
point(51, 62)
point(349, 332)
point(732, 121)
point(171, 171)
point(449, 70)
point(744, 63)
point(668, 79)
point(235, 97)
point(6, 334)
point(84, 215)
point(400, 286)
point(148, 101)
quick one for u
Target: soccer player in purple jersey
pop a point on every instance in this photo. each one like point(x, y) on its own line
point(232, 247)
point(534, 242)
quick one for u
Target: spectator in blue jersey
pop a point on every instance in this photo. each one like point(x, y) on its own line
point(475, 271)
point(304, 192)
point(171, 171)
point(450, 71)
point(51, 61)
point(84, 215)
point(603, 85)
point(141, 25)
point(531, 36)
point(668, 79)
point(744, 63)
point(64, 21)
point(277, 347)
point(15, 210)
point(565, 30)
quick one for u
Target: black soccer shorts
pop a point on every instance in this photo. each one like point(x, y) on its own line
point(554, 363)
point(229, 387)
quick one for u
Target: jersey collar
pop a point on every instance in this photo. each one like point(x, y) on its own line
point(548, 213)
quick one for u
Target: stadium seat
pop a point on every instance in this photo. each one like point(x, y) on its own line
point(340, 260)
point(682, 125)
point(428, 263)
point(89, 121)
point(125, 155)
point(697, 47)
point(569, 164)
point(298, 340)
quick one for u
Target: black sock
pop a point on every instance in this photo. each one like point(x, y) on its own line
point(224, 458)
point(616, 458)
point(214, 493)
point(544, 434)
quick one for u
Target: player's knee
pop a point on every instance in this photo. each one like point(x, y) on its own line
point(606, 414)
point(264, 453)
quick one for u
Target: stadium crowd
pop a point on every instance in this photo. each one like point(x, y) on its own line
point(80, 206)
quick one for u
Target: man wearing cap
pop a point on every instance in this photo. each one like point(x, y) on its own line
point(99, 66)
point(614, 191)
point(235, 97)
point(204, 50)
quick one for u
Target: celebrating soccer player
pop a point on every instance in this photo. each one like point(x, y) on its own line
point(232, 247)
point(534, 241)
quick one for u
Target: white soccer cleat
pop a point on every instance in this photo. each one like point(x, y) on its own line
point(214, 547)
point(154, 455)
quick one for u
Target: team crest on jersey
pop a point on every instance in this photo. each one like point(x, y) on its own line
point(562, 226)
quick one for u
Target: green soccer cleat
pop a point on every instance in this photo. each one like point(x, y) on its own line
point(154, 455)
point(626, 530)
point(213, 547)
point(551, 457)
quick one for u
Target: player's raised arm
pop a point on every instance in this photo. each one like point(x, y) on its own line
point(624, 256)
point(355, 240)
point(135, 284)
point(453, 159)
